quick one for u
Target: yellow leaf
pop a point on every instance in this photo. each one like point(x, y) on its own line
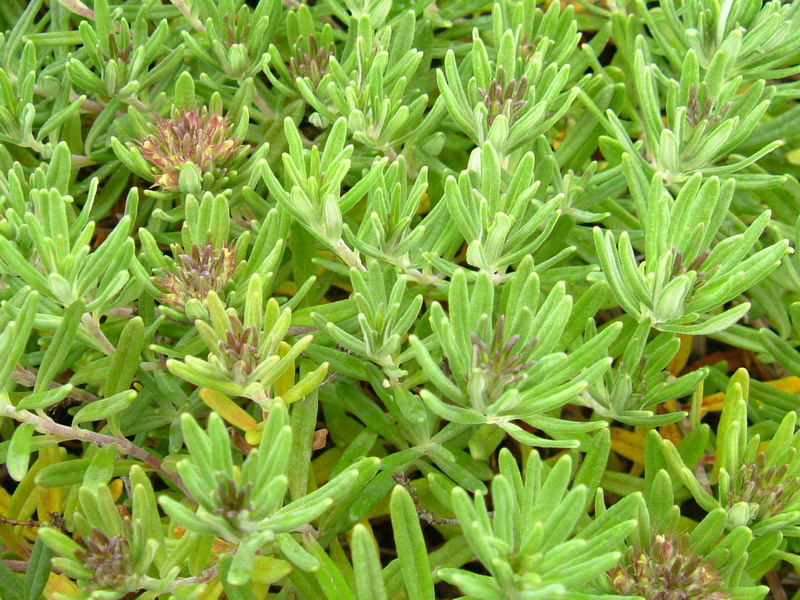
point(260, 590)
point(253, 435)
point(213, 591)
point(787, 384)
point(115, 487)
point(678, 361)
point(59, 584)
point(794, 156)
point(671, 433)
point(26, 513)
point(269, 570)
point(288, 288)
point(557, 139)
point(552, 460)
point(424, 205)
point(8, 534)
point(50, 499)
point(218, 546)
point(285, 381)
point(227, 409)
point(5, 500)
point(323, 464)
point(714, 402)
point(629, 444)
point(26, 495)
point(342, 285)
point(14, 542)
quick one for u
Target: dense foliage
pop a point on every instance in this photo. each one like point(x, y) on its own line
point(399, 299)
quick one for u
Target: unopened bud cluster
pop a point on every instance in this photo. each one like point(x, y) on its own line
point(204, 269)
point(501, 362)
point(109, 559)
point(240, 349)
point(668, 569)
point(201, 137)
point(769, 488)
point(312, 64)
point(503, 98)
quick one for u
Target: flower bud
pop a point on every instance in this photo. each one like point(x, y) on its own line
point(333, 219)
point(189, 179)
point(200, 137)
point(194, 309)
point(61, 289)
point(111, 77)
point(238, 61)
point(498, 132)
point(198, 274)
point(738, 515)
point(671, 302)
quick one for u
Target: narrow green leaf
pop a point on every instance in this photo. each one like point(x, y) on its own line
point(367, 566)
point(10, 584)
point(105, 408)
point(38, 570)
point(19, 451)
point(59, 346)
point(411, 549)
point(125, 360)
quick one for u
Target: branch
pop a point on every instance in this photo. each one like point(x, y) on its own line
point(48, 426)
point(204, 577)
point(56, 521)
point(28, 379)
point(18, 523)
point(239, 442)
point(775, 585)
point(78, 160)
point(422, 513)
point(18, 566)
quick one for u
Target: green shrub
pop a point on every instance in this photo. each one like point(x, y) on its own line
point(399, 300)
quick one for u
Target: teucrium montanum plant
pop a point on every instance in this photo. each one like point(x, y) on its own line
point(388, 300)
